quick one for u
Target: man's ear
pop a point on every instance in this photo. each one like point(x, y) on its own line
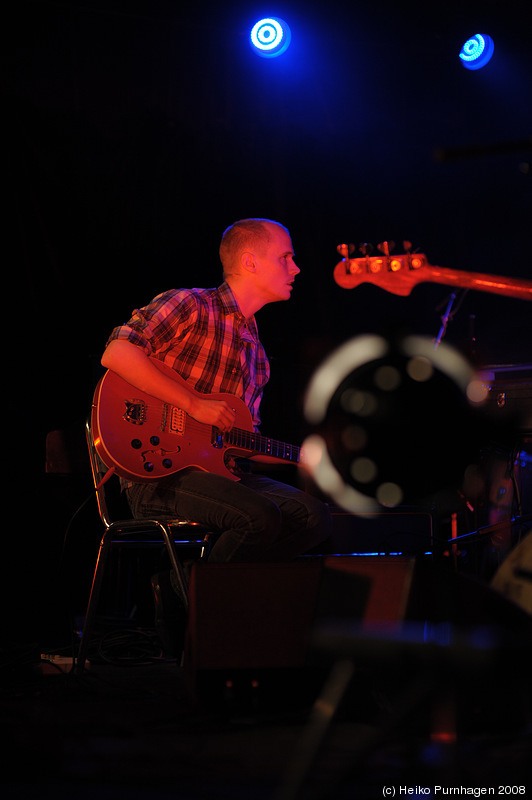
point(247, 260)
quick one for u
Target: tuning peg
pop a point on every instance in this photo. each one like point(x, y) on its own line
point(365, 248)
point(352, 249)
point(407, 246)
point(386, 247)
point(343, 250)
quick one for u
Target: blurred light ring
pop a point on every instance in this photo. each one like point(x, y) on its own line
point(325, 450)
point(364, 349)
point(445, 358)
point(335, 369)
point(329, 480)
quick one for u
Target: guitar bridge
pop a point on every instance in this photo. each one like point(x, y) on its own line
point(135, 412)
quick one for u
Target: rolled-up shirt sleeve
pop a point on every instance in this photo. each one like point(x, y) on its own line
point(166, 319)
point(203, 335)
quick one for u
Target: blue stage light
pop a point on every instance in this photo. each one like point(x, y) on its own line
point(477, 51)
point(270, 37)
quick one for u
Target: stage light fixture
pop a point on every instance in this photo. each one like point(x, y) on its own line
point(270, 37)
point(477, 51)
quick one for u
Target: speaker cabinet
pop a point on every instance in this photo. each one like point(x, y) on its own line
point(260, 616)
point(251, 615)
point(388, 581)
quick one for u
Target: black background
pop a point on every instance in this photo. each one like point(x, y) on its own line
point(135, 132)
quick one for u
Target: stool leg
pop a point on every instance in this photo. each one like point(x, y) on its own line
point(176, 563)
point(92, 604)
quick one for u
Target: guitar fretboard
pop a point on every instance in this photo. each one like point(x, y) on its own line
point(256, 443)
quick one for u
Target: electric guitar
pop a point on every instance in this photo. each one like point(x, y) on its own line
point(399, 274)
point(145, 439)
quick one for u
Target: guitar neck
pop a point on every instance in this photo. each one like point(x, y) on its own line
point(495, 284)
point(255, 444)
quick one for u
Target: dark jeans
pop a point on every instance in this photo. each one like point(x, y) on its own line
point(259, 519)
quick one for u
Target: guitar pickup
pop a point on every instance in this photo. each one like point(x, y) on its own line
point(177, 420)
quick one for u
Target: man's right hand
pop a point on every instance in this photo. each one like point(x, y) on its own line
point(213, 412)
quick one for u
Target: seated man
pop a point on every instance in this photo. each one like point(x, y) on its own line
point(210, 338)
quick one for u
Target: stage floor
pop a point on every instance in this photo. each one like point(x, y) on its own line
point(124, 731)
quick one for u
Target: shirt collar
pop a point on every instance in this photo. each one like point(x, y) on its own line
point(230, 305)
point(228, 299)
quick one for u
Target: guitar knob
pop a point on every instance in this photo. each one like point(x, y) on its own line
point(167, 463)
point(136, 444)
point(148, 466)
point(154, 440)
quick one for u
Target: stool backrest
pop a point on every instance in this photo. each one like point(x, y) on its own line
point(112, 505)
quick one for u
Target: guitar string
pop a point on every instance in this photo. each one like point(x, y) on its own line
point(262, 444)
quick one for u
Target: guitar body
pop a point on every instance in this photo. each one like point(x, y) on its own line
point(145, 439)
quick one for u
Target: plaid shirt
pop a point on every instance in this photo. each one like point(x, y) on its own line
point(203, 335)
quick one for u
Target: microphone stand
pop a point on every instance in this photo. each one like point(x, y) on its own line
point(445, 320)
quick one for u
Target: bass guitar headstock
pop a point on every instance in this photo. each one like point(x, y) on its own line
point(394, 273)
point(399, 274)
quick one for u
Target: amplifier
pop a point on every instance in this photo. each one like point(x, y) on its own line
point(509, 395)
point(403, 530)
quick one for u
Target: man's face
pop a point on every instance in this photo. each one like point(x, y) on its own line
point(275, 267)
